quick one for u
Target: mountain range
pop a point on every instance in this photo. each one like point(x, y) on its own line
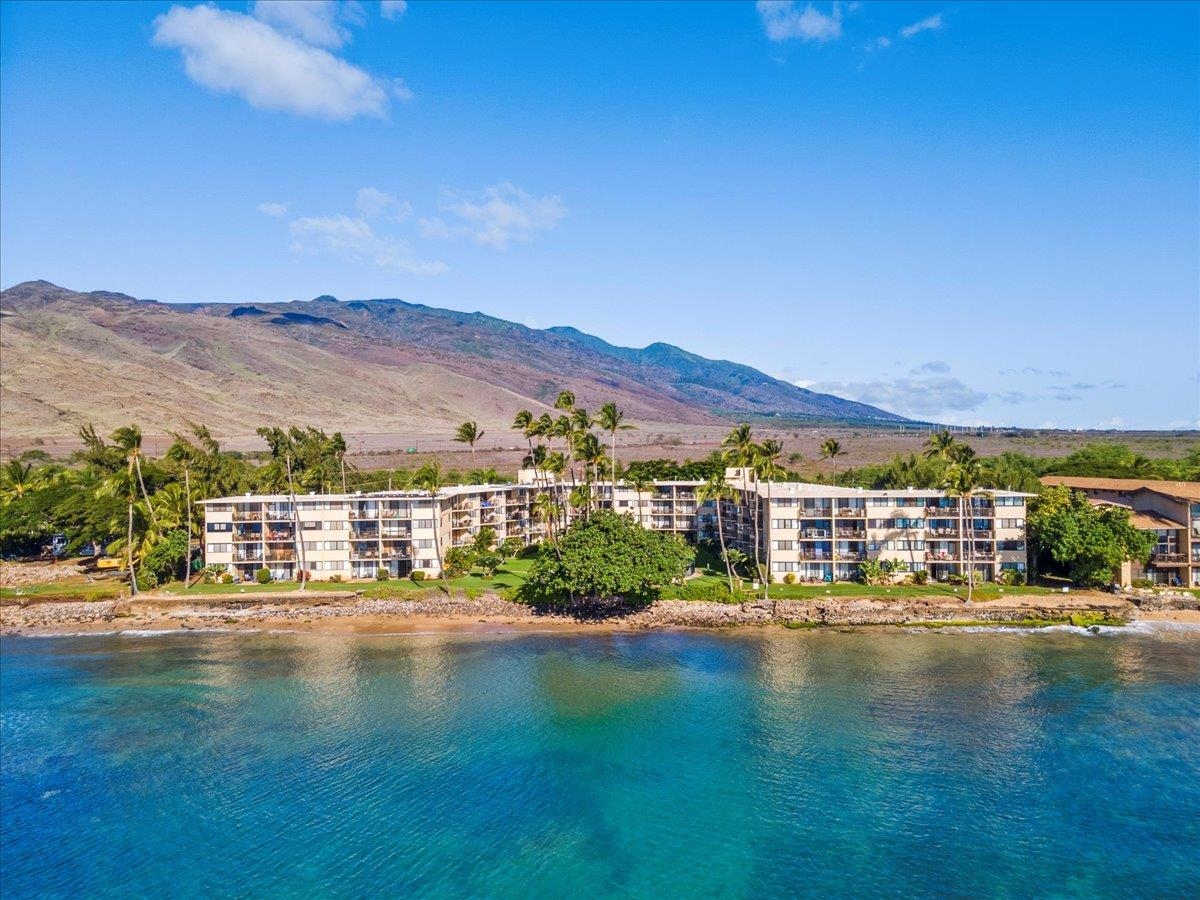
point(68, 358)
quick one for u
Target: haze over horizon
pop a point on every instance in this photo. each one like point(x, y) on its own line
point(966, 214)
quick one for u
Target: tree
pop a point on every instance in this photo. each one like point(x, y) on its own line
point(964, 480)
point(765, 459)
point(716, 490)
point(510, 547)
point(640, 482)
point(612, 420)
point(545, 508)
point(607, 555)
point(939, 444)
point(1089, 542)
point(468, 433)
point(739, 451)
point(430, 479)
point(831, 449)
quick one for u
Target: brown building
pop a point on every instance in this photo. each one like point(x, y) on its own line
point(1168, 509)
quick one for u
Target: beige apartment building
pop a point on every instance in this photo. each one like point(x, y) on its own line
point(815, 532)
point(1168, 509)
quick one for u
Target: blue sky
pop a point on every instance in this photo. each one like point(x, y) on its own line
point(963, 212)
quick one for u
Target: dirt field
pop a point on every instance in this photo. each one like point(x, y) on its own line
point(504, 450)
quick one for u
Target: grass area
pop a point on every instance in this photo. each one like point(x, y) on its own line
point(60, 590)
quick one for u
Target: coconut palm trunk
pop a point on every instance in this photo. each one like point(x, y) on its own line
point(133, 587)
point(297, 538)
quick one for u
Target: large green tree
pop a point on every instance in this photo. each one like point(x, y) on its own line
point(607, 555)
point(1088, 542)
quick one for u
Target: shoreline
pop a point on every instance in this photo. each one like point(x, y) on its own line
point(344, 613)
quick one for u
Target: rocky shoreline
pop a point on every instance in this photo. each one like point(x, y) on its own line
point(347, 611)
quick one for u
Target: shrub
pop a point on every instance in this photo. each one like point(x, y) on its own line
point(1010, 577)
point(336, 576)
point(383, 574)
point(227, 578)
point(1143, 583)
point(417, 575)
point(789, 578)
point(955, 578)
point(920, 577)
point(510, 547)
point(263, 575)
point(147, 580)
point(473, 593)
point(458, 561)
point(489, 563)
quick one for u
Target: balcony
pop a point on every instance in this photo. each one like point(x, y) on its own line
point(819, 512)
point(980, 534)
point(247, 516)
point(851, 512)
point(849, 557)
point(247, 536)
point(859, 534)
point(815, 555)
point(941, 556)
point(815, 534)
point(247, 555)
point(1168, 559)
point(404, 535)
point(281, 555)
point(364, 554)
point(943, 532)
point(280, 536)
point(363, 513)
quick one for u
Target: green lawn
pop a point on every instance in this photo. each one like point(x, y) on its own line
point(96, 590)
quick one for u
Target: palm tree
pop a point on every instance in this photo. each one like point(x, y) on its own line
point(545, 507)
point(964, 480)
point(591, 453)
point(831, 449)
point(468, 433)
point(337, 446)
point(129, 439)
point(565, 401)
point(116, 484)
point(717, 489)
point(739, 451)
point(766, 468)
point(611, 420)
point(430, 479)
point(939, 444)
point(640, 482)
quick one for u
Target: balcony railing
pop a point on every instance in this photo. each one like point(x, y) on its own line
point(364, 554)
point(852, 533)
point(1168, 559)
point(849, 557)
point(280, 536)
point(815, 534)
point(941, 556)
point(241, 516)
point(809, 555)
point(247, 555)
point(822, 512)
point(943, 532)
point(851, 512)
point(281, 555)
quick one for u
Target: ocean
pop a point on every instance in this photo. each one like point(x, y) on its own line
point(655, 764)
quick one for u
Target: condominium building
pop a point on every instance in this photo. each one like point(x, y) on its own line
point(1170, 510)
point(816, 532)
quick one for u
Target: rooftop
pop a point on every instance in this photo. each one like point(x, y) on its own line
point(1183, 490)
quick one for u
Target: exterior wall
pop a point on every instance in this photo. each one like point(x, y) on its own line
point(816, 532)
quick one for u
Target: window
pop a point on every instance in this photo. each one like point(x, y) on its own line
point(881, 501)
point(422, 523)
point(1011, 546)
point(783, 545)
point(1011, 523)
point(334, 545)
point(312, 545)
point(910, 545)
point(220, 548)
point(784, 523)
point(220, 526)
point(310, 526)
point(423, 544)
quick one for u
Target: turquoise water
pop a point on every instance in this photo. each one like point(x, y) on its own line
point(656, 764)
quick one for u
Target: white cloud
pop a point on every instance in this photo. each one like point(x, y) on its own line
point(272, 209)
point(392, 9)
point(373, 203)
point(401, 90)
point(935, 366)
point(783, 21)
point(933, 23)
point(234, 53)
point(500, 214)
point(880, 43)
point(919, 398)
point(312, 21)
point(355, 241)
